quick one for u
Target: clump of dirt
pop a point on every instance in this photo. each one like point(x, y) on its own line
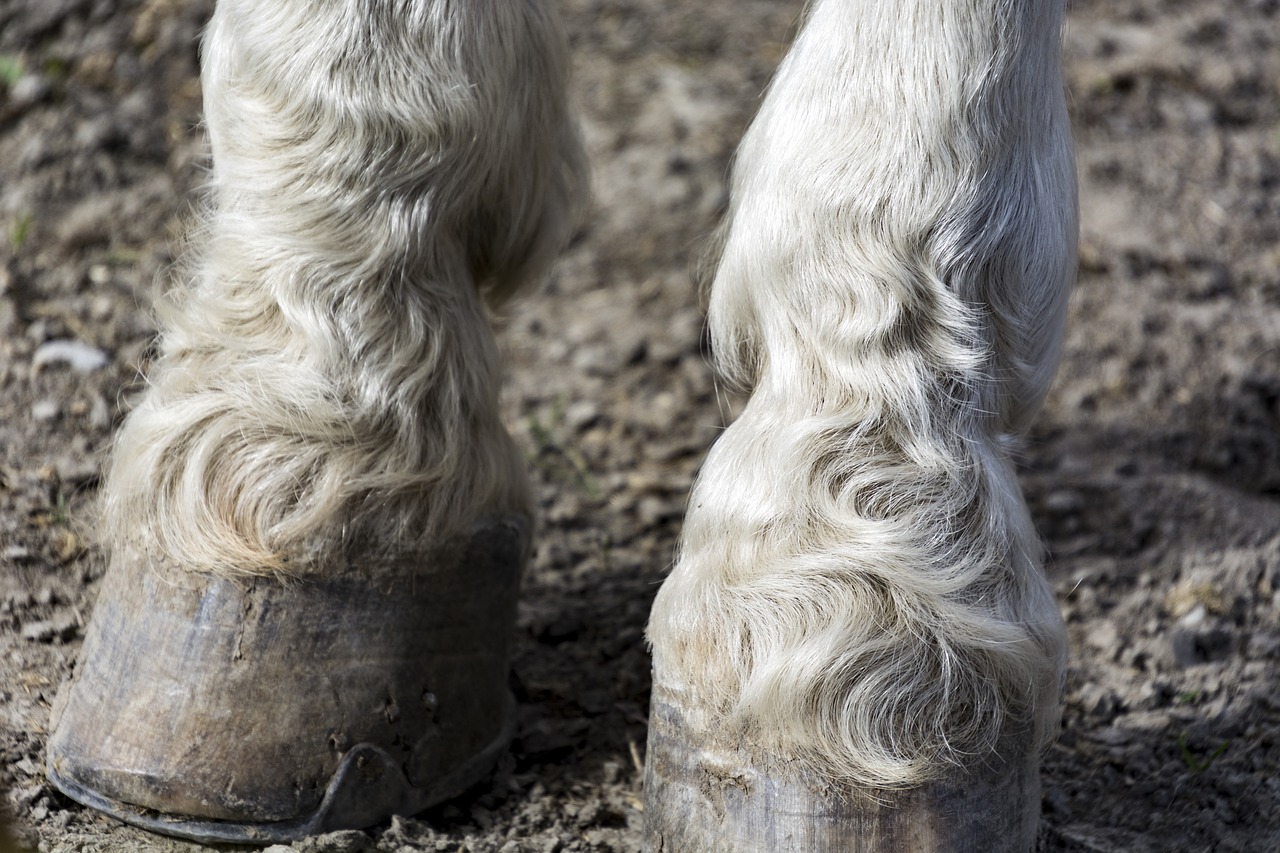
point(1153, 472)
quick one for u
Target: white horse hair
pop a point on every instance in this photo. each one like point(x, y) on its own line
point(858, 584)
point(859, 580)
point(328, 369)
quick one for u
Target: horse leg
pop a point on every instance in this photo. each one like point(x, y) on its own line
point(856, 649)
point(316, 519)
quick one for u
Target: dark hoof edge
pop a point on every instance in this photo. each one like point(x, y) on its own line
point(368, 788)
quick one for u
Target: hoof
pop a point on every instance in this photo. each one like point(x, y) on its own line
point(258, 711)
point(706, 792)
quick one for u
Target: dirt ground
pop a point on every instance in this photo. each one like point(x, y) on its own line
point(1154, 472)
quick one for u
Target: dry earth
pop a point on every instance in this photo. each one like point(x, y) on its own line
point(1154, 472)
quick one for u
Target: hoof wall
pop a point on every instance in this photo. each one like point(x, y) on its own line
point(707, 793)
point(367, 788)
point(261, 711)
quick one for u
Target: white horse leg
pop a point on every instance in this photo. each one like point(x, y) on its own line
point(856, 649)
point(325, 411)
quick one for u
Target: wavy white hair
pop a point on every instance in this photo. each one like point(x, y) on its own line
point(859, 580)
point(327, 368)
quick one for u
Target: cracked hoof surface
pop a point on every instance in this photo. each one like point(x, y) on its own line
point(258, 711)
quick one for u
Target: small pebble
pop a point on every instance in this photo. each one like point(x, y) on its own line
point(102, 306)
point(581, 414)
point(38, 331)
point(45, 411)
point(78, 355)
point(1193, 618)
point(50, 630)
point(99, 413)
point(30, 89)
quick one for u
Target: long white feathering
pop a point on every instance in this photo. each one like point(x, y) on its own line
point(859, 582)
point(327, 369)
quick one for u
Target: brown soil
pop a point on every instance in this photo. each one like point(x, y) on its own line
point(1154, 472)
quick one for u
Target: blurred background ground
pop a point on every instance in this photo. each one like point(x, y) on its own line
point(1154, 473)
